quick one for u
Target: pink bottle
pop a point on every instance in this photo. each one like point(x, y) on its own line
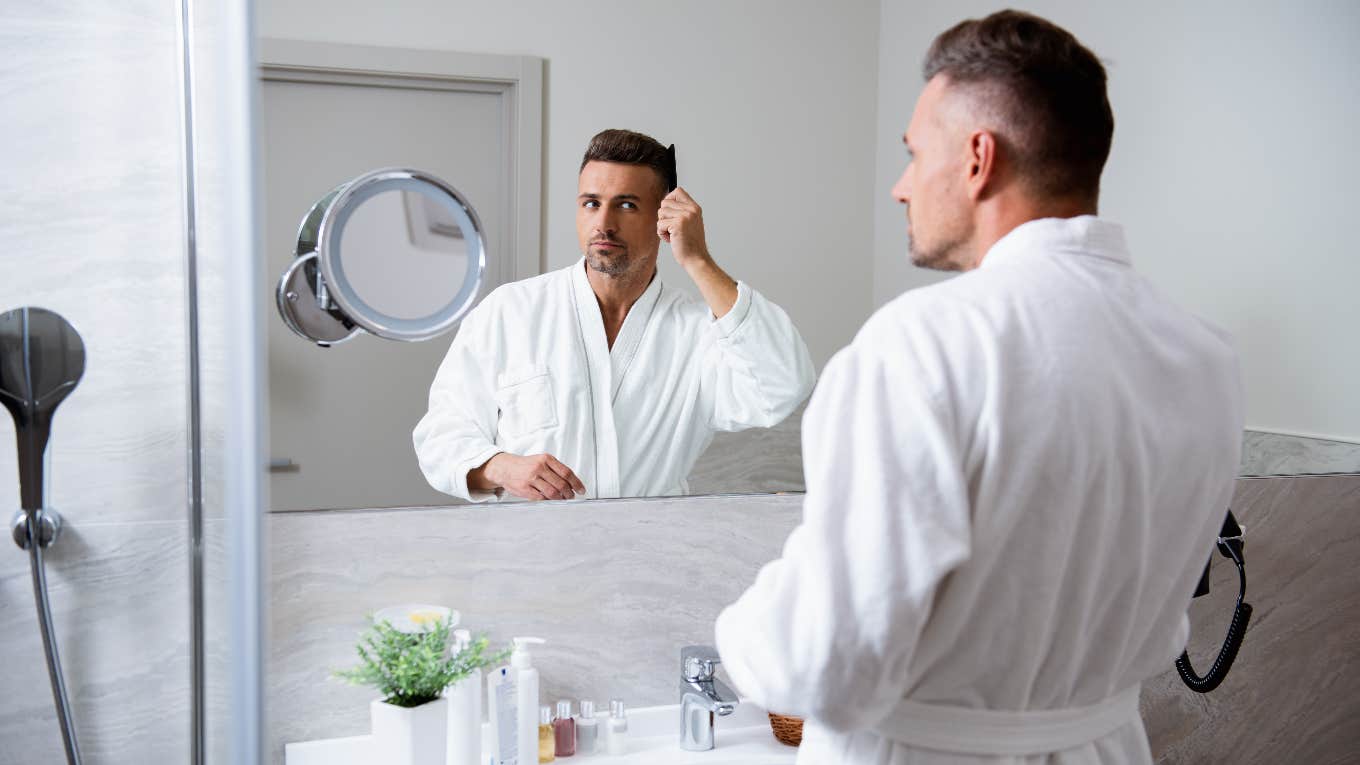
point(564, 729)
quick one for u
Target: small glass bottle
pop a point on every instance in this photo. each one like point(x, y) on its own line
point(618, 727)
point(564, 730)
point(587, 729)
point(547, 743)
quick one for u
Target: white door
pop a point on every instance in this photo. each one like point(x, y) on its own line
point(341, 417)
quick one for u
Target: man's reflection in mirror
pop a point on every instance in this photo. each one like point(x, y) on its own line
point(598, 380)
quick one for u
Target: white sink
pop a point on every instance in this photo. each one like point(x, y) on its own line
point(742, 738)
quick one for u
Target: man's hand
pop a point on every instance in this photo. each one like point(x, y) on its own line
point(680, 221)
point(537, 476)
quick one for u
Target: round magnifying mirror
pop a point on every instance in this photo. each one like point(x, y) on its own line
point(395, 252)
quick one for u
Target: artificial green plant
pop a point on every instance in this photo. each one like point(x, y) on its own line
point(414, 668)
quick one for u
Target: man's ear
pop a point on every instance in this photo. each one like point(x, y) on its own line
point(981, 164)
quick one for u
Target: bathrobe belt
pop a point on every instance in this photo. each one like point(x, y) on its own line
point(962, 730)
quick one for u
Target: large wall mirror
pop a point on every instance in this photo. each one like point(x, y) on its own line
point(787, 120)
point(809, 229)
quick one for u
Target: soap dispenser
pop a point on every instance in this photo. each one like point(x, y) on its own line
point(512, 698)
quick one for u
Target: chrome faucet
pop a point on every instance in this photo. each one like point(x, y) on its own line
point(701, 697)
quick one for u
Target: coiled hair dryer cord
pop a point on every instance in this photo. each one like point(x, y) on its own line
point(1230, 545)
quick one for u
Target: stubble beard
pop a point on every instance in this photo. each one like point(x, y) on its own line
point(946, 255)
point(616, 265)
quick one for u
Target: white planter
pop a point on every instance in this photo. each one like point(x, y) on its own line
point(414, 736)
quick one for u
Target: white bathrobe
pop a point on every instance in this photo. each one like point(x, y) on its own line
point(531, 372)
point(1014, 480)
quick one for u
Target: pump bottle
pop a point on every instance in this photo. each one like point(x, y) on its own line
point(526, 691)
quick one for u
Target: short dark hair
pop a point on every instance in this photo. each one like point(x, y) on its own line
point(1047, 89)
point(631, 148)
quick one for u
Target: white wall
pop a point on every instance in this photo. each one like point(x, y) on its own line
point(1234, 168)
point(770, 106)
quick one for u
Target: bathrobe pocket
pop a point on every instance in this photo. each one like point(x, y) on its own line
point(524, 396)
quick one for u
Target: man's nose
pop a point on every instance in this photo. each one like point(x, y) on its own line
point(607, 223)
point(901, 190)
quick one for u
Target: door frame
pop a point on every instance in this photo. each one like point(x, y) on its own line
point(518, 79)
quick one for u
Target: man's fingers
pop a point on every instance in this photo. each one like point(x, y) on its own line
point(680, 194)
point(674, 208)
point(567, 474)
point(545, 488)
point(558, 483)
point(527, 491)
point(668, 225)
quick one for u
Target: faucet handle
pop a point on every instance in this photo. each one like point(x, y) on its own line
point(697, 662)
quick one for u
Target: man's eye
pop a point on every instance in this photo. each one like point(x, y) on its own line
point(628, 206)
point(591, 203)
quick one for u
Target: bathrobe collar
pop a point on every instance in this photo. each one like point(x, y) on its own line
point(1084, 235)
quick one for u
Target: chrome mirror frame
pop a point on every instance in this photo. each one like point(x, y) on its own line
point(316, 300)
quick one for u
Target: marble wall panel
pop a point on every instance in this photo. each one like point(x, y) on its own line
point(618, 586)
point(119, 598)
point(760, 460)
point(91, 226)
point(1272, 454)
point(770, 460)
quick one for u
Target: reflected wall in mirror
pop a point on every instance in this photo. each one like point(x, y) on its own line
point(341, 418)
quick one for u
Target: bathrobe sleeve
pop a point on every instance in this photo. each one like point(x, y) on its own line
point(458, 432)
point(827, 631)
point(758, 371)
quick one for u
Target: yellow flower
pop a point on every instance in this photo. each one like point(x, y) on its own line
point(425, 618)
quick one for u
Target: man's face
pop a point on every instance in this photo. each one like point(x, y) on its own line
point(939, 211)
point(616, 210)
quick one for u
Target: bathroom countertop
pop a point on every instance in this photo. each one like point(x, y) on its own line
point(743, 738)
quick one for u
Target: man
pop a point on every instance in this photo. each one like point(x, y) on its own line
point(1014, 476)
point(598, 380)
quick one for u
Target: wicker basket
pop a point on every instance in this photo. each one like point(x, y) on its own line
point(789, 730)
